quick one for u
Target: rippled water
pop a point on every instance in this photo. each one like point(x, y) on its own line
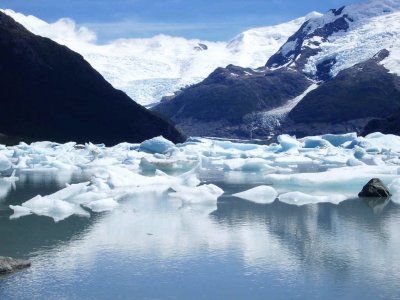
point(151, 249)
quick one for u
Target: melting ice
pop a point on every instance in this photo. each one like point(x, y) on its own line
point(328, 168)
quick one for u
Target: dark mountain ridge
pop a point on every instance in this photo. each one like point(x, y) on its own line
point(49, 92)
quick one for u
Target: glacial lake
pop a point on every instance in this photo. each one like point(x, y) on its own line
point(150, 249)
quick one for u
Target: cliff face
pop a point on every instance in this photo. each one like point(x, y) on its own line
point(49, 92)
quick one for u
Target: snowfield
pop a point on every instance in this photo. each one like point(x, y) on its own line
point(374, 25)
point(150, 68)
point(329, 168)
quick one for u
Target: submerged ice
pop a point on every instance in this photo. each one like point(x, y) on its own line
point(328, 168)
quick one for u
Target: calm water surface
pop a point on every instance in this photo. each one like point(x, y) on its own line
point(151, 248)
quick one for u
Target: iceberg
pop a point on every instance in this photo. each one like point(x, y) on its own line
point(261, 194)
point(203, 194)
point(288, 143)
point(5, 163)
point(339, 139)
point(102, 205)
point(44, 206)
point(157, 145)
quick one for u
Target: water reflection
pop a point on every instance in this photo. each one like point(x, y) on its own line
point(377, 205)
point(5, 188)
point(323, 250)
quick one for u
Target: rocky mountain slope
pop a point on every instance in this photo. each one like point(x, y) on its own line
point(362, 92)
point(228, 96)
point(389, 125)
point(49, 92)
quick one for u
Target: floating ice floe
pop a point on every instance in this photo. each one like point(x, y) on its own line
point(102, 205)
point(327, 168)
point(5, 163)
point(203, 194)
point(261, 194)
point(157, 145)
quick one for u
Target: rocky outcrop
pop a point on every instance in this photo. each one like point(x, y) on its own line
point(9, 265)
point(375, 188)
point(49, 92)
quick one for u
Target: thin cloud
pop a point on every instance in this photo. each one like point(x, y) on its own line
point(132, 27)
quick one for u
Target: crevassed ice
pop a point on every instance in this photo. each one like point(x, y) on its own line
point(328, 168)
point(375, 26)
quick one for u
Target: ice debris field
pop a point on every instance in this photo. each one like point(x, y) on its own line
point(328, 168)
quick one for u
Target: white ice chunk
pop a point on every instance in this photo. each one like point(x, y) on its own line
point(167, 165)
point(102, 205)
point(157, 145)
point(227, 145)
point(54, 208)
point(5, 163)
point(352, 162)
point(262, 194)
point(70, 191)
point(288, 143)
point(339, 139)
point(19, 211)
point(292, 160)
point(316, 142)
point(298, 198)
point(203, 194)
point(394, 188)
point(122, 177)
point(384, 142)
point(248, 165)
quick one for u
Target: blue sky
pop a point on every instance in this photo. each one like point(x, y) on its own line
point(204, 19)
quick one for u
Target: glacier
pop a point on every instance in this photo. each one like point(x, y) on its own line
point(373, 25)
point(328, 168)
point(149, 68)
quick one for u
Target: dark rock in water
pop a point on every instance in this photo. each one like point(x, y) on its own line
point(375, 188)
point(9, 265)
point(49, 92)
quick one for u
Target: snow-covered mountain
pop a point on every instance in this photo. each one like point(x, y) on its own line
point(148, 69)
point(353, 55)
point(328, 44)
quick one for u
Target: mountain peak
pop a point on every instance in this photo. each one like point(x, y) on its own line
point(341, 38)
